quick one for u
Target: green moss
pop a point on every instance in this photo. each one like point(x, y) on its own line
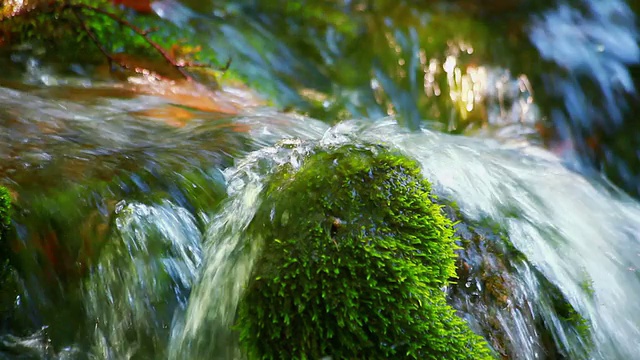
point(5, 270)
point(577, 327)
point(354, 256)
point(5, 216)
point(5, 223)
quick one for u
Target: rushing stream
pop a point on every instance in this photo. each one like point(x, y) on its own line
point(571, 229)
point(131, 211)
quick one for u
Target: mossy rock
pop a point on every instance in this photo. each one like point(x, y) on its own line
point(68, 227)
point(5, 223)
point(5, 217)
point(491, 289)
point(354, 257)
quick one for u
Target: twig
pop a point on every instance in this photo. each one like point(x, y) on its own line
point(53, 6)
point(143, 33)
point(152, 30)
point(94, 39)
point(226, 66)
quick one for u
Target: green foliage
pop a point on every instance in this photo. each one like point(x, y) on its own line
point(316, 14)
point(48, 28)
point(354, 256)
point(60, 33)
point(374, 58)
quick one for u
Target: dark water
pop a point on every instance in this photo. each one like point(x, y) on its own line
point(116, 194)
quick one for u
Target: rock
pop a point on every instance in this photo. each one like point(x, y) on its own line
point(354, 256)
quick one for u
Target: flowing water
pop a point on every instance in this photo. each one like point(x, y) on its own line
point(130, 222)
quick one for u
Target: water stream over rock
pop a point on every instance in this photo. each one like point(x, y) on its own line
point(132, 208)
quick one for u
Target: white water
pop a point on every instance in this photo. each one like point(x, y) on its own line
point(570, 228)
point(143, 277)
point(229, 259)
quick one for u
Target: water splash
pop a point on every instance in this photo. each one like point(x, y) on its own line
point(569, 227)
point(577, 234)
point(142, 279)
point(206, 331)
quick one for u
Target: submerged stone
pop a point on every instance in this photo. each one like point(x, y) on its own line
point(354, 256)
point(64, 227)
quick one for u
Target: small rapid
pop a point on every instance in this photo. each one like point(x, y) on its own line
point(578, 235)
point(574, 230)
point(170, 240)
point(143, 278)
point(133, 198)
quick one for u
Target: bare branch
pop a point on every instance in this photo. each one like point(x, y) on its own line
point(94, 39)
point(143, 33)
point(78, 9)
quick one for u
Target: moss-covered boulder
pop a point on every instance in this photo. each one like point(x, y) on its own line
point(354, 257)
